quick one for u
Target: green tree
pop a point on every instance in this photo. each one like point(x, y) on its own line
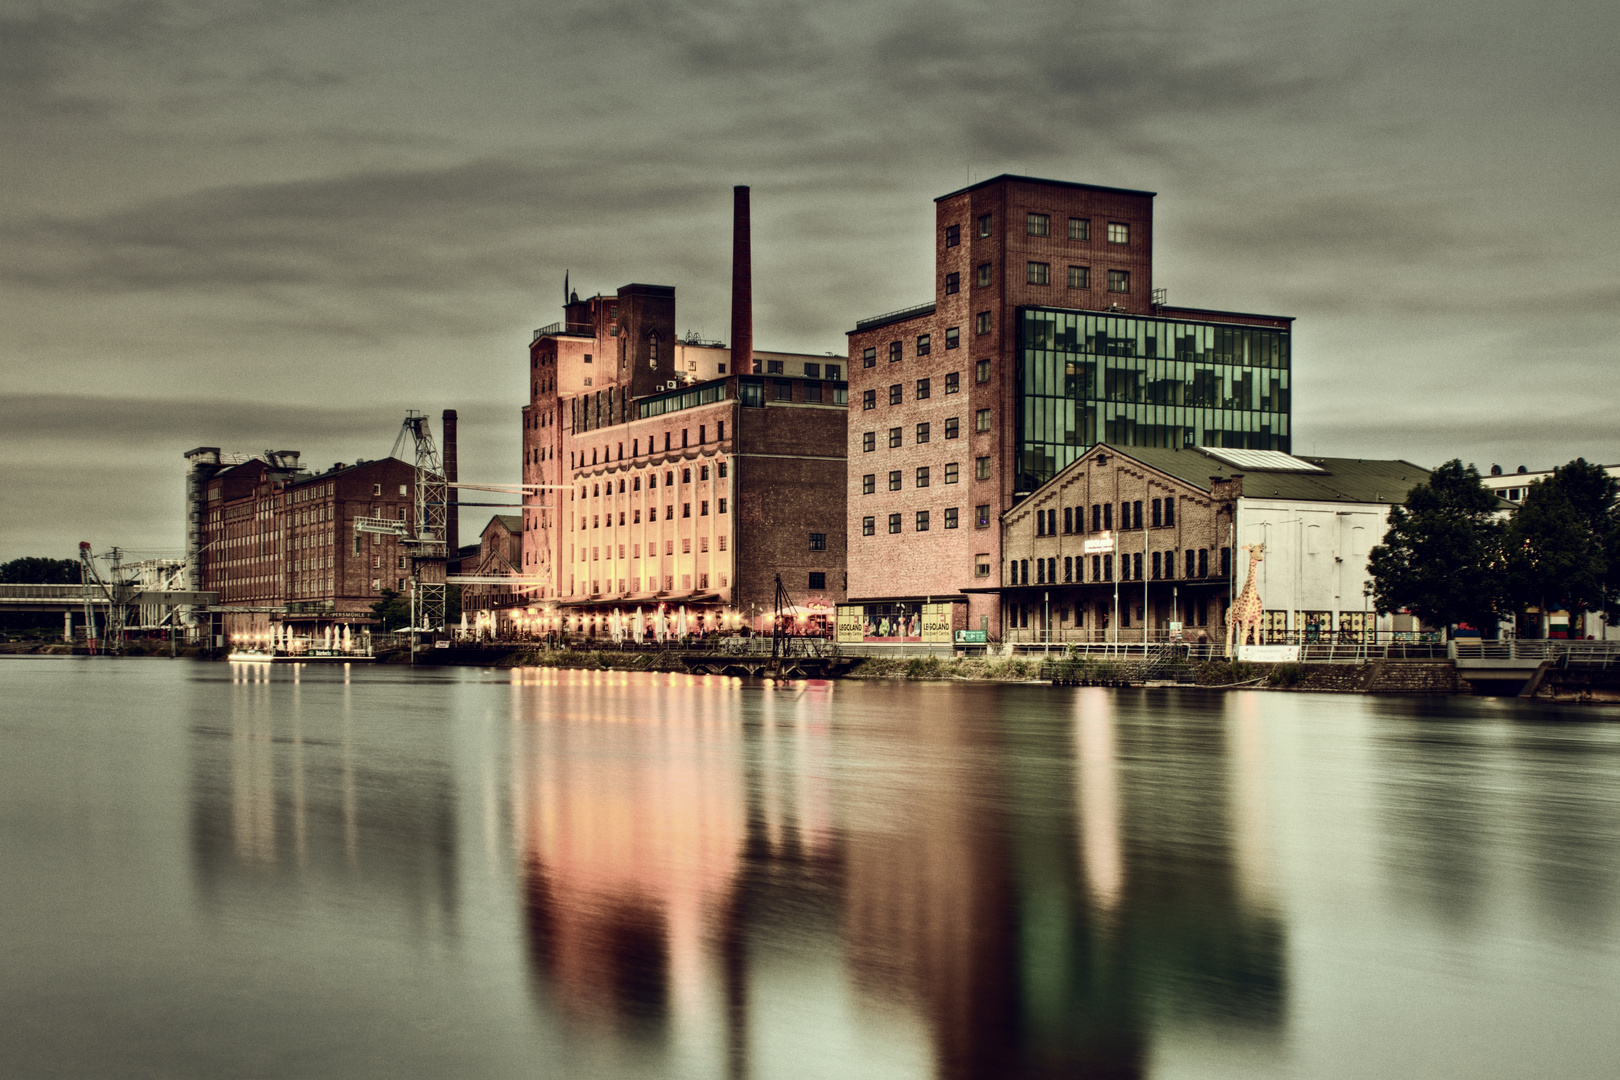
point(394, 609)
point(1562, 542)
point(1442, 556)
point(34, 570)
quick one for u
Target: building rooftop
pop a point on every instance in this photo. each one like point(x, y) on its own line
point(1046, 183)
point(1331, 479)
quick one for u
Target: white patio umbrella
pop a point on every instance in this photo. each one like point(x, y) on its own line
point(616, 627)
point(637, 630)
point(658, 624)
point(347, 640)
point(463, 624)
point(681, 629)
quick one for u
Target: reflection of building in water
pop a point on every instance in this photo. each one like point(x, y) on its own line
point(646, 839)
point(281, 800)
point(1041, 943)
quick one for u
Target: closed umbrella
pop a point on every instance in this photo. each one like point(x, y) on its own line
point(347, 640)
point(617, 627)
point(658, 624)
point(637, 631)
point(681, 630)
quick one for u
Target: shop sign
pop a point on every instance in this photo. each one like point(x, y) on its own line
point(1102, 544)
point(972, 637)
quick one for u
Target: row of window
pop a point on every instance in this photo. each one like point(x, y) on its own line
point(1038, 273)
point(652, 549)
point(924, 431)
point(1161, 563)
point(925, 346)
point(1036, 224)
point(1162, 514)
point(652, 481)
point(811, 370)
point(577, 461)
point(923, 476)
point(922, 520)
point(652, 514)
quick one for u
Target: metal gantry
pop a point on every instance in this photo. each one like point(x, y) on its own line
point(111, 592)
point(425, 535)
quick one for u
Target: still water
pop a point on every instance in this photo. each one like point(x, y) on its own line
point(213, 871)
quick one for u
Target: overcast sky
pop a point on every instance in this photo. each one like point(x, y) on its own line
point(267, 224)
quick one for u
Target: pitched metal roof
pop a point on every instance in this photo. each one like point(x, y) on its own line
point(1374, 480)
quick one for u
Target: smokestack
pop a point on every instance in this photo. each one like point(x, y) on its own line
point(452, 511)
point(742, 285)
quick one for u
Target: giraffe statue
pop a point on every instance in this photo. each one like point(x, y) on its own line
point(1244, 616)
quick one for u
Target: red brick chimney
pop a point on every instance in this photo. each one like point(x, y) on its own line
point(742, 285)
point(452, 512)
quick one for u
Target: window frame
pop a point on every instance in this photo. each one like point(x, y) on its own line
point(1038, 273)
point(1079, 228)
point(894, 524)
point(1038, 224)
point(1119, 281)
point(1119, 232)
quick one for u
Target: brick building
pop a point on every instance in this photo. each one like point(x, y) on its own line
point(679, 472)
point(1128, 540)
point(279, 544)
point(1044, 337)
point(499, 552)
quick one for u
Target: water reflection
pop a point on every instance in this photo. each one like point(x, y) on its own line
point(298, 789)
point(1007, 890)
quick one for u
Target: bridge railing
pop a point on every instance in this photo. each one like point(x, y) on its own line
point(1603, 654)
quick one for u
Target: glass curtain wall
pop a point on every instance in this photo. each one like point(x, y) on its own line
point(1085, 378)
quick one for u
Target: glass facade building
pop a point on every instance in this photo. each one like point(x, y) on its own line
point(1090, 377)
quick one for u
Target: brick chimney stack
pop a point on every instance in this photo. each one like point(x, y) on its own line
point(452, 512)
point(742, 285)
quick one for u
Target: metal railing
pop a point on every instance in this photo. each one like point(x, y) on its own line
point(1601, 654)
point(894, 316)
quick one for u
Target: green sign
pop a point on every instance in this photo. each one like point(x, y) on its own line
point(971, 637)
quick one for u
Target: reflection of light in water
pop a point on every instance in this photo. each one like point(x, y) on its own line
point(812, 736)
point(1251, 831)
point(253, 778)
point(1098, 781)
point(636, 821)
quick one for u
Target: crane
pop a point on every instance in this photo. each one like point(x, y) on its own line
point(424, 536)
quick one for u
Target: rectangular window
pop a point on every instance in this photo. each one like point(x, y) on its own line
point(833, 372)
point(925, 344)
point(981, 371)
point(686, 510)
point(869, 399)
point(1136, 514)
point(703, 508)
point(1157, 517)
point(1040, 225)
point(950, 472)
point(869, 356)
point(894, 437)
point(982, 514)
point(1119, 281)
point(868, 441)
point(981, 468)
point(953, 427)
point(1119, 232)
point(953, 235)
point(894, 394)
point(1203, 562)
point(922, 476)
point(818, 541)
point(981, 420)
point(922, 521)
point(953, 283)
point(818, 579)
point(1079, 228)
point(1226, 562)
point(1137, 559)
point(981, 565)
point(894, 351)
point(924, 389)
point(981, 322)
point(953, 381)
point(1068, 568)
point(1192, 565)
point(1068, 519)
point(868, 483)
point(894, 479)
point(811, 371)
point(953, 337)
point(1169, 511)
point(812, 392)
point(1169, 565)
point(894, 523)
point(1040, 273)
point(922, 432)
point(981, 276)
point(1108, 515)
point(720, 508)
point(868, 525)
point(950, 517)
point(784, 392)
point(984, 225)
point(1079, 277)
point(1156, 558)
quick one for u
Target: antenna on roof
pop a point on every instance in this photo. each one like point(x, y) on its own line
point(565, 288)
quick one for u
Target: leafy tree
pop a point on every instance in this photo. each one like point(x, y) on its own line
point(34, 570)
point(1442, 556)
point(394, 609)
point(1562, 542)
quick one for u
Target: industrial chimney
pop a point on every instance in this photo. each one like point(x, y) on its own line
point(742, 285)
point(452, 512)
